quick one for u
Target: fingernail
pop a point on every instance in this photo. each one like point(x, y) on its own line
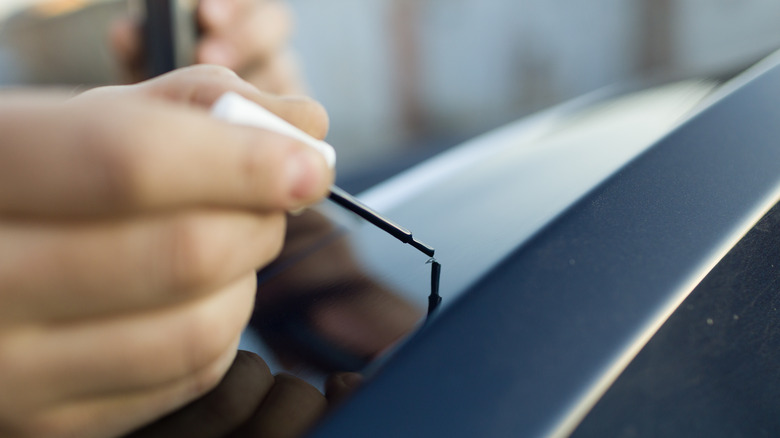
point(305, 173)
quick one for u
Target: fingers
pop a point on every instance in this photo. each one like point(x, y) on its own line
point(57, 272)
point(114, 415)
point(290, 408)
point(141, 352)
point(202, 85)
point(147, 365)
point(249, 402)
point(240, 34)
point(223, 409)
point(120, 156)
point(366, 324)
point(248, 36)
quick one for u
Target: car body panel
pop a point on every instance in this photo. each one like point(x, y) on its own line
point(532, 345)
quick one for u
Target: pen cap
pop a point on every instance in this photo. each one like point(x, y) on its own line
point(234, 108)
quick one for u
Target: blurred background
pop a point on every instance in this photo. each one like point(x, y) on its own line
point(406, 77)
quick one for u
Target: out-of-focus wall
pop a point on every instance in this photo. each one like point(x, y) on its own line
point(718, 34)
point(396, 74)
point(394, 71)
point(9, 6)
point(346, 47)
point(58, 42)
point(488, 61)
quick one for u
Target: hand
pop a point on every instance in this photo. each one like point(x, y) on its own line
point(131, 224)
point(248, 36)
point(250, 402)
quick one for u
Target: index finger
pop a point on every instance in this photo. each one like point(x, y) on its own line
point(129, 154)
point(223, 409)
point(202, 85)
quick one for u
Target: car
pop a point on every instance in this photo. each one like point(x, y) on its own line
point(606, 271)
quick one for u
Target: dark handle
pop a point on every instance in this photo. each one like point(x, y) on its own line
point(169, 35)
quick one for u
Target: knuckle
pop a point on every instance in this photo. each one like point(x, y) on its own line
point(116, 159)
point(314, 118)
point(213, 71)
point(190, 253)
point(124, 176)
point(119, 169)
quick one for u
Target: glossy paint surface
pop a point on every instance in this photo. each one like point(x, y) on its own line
point(475, 205)
point(530, 347)
point(713, 369)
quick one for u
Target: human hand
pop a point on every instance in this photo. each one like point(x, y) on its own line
point(248, 36)
point(250, 402)
point(131, 225)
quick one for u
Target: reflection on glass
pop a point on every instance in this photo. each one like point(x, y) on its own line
point(320, 304)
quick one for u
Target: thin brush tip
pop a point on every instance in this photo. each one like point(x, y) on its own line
point(425, 249)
